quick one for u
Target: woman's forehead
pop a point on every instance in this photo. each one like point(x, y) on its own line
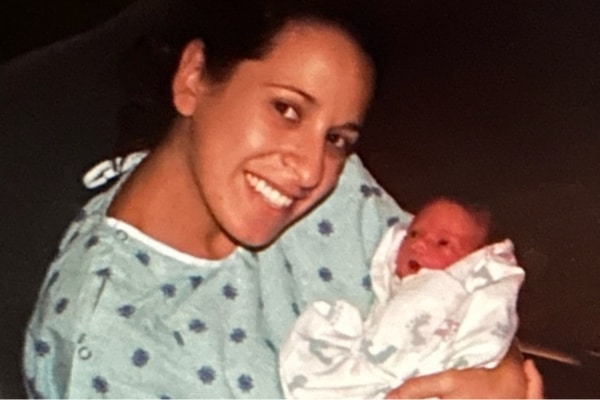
point(319, 60)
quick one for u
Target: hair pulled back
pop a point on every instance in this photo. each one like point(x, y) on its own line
point(232, 31)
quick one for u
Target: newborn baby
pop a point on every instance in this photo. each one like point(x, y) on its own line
point(443, 299)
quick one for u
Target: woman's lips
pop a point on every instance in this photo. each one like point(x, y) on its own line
point(271, 195)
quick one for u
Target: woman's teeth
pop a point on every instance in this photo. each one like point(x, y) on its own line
point(269, 193)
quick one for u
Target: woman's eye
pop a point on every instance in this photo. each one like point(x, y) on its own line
point(287, 111)
point(340, 141)
point(443, 242)
point(336, 140)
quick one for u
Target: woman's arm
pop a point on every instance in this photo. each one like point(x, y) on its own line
point(512, 378)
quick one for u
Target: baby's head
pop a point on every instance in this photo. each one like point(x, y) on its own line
point(443, 231)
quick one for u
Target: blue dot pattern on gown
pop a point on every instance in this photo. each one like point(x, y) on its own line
point(195, 281)
point(325, 227)
point(168, 290)
point(245, 383)
point(126, 311)
point(325, 274)
point(368, 191)
point(120, 317)
point(197, 326)
point(206, 375)
point(61, 305)
point(100, 384)
point(237, 335)
point(91, 242)
point(229, 292)
point(140, 358)
point(41, 348)
point(143, 258)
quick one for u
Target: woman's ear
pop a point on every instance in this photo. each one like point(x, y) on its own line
point(187, 79)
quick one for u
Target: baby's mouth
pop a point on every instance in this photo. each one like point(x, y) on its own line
point(413, 266)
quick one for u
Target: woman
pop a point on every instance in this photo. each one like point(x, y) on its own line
point(182, 280)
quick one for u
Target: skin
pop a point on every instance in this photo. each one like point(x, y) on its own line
point(286, 121)
point(523, 376)
point(253, 154)
point(441, 234)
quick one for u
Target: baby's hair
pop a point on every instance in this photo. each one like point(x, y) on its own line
point(480, 213)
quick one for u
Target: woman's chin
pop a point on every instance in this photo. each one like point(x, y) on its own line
point(258, 240)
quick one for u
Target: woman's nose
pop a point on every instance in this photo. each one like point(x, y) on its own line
point(306, 158)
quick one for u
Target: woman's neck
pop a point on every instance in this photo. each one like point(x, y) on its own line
point(161, 198)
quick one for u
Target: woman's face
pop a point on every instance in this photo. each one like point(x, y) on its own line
point(270, 142)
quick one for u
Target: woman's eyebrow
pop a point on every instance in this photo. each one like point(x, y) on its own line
point(294, 89)
point(351, 126)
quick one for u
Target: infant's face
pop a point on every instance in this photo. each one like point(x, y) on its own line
point(441, 234)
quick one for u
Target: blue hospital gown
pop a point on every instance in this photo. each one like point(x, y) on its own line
point(121, 315)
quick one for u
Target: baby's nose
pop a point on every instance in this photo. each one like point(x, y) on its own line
point(419, 244)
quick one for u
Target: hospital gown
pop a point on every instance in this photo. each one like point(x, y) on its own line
point(121, 315)
point(461, 317)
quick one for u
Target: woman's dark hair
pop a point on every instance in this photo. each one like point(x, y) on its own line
point(232, 31)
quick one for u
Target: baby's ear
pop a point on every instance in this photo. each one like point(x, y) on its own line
point(187, 80)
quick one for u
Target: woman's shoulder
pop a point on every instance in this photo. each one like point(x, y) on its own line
point(105, 178)
point(330, 250)
point(357, 213)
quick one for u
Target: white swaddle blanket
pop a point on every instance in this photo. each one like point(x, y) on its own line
point(461, 317)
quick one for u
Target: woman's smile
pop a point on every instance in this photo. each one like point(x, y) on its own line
point(271, 195)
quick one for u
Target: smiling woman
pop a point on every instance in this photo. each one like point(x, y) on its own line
point(255, 144)
point(281, 133)
point(184, 277)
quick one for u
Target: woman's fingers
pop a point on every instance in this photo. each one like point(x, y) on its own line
point(479, 383)
point(471, 383)
point(535, 383)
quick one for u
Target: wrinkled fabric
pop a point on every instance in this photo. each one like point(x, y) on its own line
point(461, 317)
point(121, 315)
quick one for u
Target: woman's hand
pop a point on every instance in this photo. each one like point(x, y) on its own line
point(512, 378)
point(535, 383)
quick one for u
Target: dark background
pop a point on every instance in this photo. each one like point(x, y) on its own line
point(494, 100)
